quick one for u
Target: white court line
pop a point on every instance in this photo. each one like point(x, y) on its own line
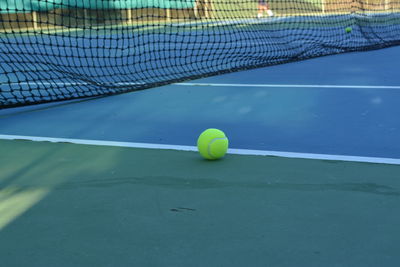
point(396, 87)
point(291, 85)
point(193, 148)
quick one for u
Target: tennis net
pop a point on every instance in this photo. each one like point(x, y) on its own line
point(54, 50)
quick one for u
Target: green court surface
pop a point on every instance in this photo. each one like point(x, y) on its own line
point(76, 205)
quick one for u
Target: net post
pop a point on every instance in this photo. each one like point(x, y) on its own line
point(168, 14)
point(387, 5)
point(35, 20)
point(196, 9)
point(207, 8)
point(206, 12)
point(129, 16)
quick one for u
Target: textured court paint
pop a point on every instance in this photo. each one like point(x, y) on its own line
point(138, 207)
point(333, 86)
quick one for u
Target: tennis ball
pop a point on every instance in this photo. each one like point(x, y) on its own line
point(348, 29)
point(212, 144)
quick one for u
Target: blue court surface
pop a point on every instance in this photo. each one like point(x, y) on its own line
point(345, 104)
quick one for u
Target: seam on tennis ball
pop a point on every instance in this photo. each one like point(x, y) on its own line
point(211, 142)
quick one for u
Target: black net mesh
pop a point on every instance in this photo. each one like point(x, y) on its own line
point(55, 50)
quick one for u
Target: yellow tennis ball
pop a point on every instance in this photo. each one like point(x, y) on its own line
point(212, 144)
